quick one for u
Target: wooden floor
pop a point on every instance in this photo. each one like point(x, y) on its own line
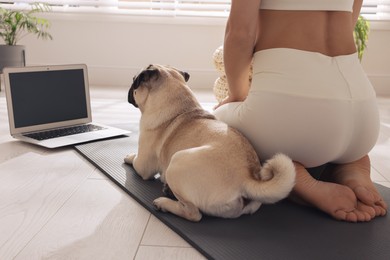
point(56, 205)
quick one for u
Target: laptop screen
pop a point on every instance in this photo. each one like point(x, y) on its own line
point(50, 96)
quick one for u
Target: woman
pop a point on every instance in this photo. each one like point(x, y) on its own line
point(309, 98)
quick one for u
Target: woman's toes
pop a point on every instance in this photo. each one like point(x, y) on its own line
point(370, 211)
point(380, 209)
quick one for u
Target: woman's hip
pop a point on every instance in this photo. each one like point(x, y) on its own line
point(310, 130)
point(309, 74)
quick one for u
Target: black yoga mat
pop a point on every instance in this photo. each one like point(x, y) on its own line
point(280, 231)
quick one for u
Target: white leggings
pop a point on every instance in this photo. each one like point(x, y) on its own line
point(312, 107)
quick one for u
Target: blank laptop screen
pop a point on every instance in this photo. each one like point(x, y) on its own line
point(48, 96)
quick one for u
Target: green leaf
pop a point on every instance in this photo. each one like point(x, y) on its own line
point(14, 25)
point(361, 32)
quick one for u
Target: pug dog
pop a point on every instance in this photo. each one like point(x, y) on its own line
point(209, 167)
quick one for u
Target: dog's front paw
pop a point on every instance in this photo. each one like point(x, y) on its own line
point(129, 159)
point(159, 202)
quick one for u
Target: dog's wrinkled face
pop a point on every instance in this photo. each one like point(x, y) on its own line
point(149, 78)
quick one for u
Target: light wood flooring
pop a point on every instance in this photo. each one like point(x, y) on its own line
point(56, 205)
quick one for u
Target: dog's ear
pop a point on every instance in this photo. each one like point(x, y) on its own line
point(146, 75)
point(185, 75)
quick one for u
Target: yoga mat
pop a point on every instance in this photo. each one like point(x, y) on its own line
point(280, 231)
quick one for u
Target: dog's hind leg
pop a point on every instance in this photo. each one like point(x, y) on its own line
point(185, 210)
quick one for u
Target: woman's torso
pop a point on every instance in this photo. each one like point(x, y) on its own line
point(326, 32)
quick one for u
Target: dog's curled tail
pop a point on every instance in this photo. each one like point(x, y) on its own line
point(275, 180)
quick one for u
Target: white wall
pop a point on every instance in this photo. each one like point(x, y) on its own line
point(117, 47)
point(376, 59)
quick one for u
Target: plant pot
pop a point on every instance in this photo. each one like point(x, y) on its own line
point(12, 56)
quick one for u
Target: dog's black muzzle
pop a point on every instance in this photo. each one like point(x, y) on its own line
point(130, 97)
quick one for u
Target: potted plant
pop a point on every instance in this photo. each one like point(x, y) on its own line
point(361, 31)
point(16, 24)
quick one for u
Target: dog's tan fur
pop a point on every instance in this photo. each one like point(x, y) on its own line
point(209, 167)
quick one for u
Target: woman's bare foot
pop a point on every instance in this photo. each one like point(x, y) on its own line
point(335, 199)
point(356, 176)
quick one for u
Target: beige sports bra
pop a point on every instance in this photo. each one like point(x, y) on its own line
point(308, 5)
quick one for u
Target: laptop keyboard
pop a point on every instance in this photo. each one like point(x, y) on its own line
point(64, 132)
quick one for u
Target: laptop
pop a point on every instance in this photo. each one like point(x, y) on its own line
point(50, 106)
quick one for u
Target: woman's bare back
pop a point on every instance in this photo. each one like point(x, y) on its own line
point(326, 32)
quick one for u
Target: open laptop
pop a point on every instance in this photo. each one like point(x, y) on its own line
point(50, 106)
